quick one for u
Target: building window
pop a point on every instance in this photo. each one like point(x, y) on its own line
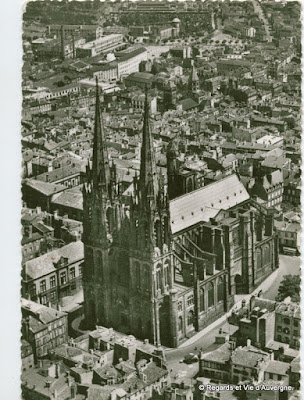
point(279, 329)
point(180, 306)
point(190, 300)
point(33, 290)
point(80, 270)
point(190, 318)
point(72, 273)
point(180, 324)
point(220, 290)
point(52, 281)
point(43, 299)
point(43, 286)
point(53, 295)
point(210, 290)
point(286, 321)
point(202, 299)
point(63, 278)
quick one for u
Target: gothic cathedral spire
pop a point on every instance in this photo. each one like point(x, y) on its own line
point(148, 176)
point(100, 168)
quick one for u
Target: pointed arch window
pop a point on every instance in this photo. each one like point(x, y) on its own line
point(159, 279)
point(220, 289)
point(259, 258)
point(202, 299)
point(189, 185)
point(190, 318)
point(210, 291)
point(167, 272)
point(157, 234)
point(266, 254)
point(180, 324)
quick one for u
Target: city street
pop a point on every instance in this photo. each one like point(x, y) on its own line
point(288, 265)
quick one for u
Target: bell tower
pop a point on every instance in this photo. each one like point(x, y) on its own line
point(151, 274)
point(99, 195)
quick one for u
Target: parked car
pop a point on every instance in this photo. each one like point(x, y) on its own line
point(190, 358)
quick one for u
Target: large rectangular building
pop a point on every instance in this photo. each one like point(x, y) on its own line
point(104, 44)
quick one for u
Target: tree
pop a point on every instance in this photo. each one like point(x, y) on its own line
point(290, 287)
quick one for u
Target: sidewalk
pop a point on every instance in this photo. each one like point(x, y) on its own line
point(238, 302)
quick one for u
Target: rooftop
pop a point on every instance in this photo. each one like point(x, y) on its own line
point(45, 264)
point(42, 313)
point(205, 203)
point(248, 357)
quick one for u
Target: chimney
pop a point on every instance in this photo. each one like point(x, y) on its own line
point(68, 379)
point(251, 303)
point(57, 366)
point(47, 177)
point(26, 327)
point(73, 392)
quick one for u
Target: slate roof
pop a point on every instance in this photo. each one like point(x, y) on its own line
point(44, 264)
point(70, 199)
point(42, 314)
point(205, 203)
point(61, 173)
point(45, 188)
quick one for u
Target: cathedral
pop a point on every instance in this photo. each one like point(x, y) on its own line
point(163, 267)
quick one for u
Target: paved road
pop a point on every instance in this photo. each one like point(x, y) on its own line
point(206, 343)
point(258, 10)
point(288, 265)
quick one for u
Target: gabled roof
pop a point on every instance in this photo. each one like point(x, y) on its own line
point(45, 188)
point(205, 203)
point(44, 264)
point(42, 314)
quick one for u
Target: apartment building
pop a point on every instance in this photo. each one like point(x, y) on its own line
point(103, 44)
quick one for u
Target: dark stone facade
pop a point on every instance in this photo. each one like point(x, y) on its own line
point(141, 279)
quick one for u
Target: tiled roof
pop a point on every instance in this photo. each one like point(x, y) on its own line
point(277, 367)
point(44, 264)
point(247, 357)
point(220, 355)
point(204, 203)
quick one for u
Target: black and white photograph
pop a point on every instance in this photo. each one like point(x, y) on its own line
point(161, 200)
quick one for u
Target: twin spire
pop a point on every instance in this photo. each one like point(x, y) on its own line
point(148, 183)
point(148, 175)
point(100, 169)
